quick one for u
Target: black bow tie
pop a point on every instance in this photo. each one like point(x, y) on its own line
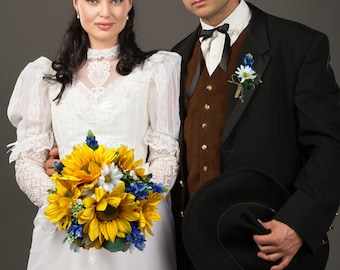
point(208, 33)
point(225, 56)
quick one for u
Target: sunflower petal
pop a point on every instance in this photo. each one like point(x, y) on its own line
point(93, 229)
point(112, 230)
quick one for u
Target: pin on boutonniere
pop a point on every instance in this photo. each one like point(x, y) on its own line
point(245, 77)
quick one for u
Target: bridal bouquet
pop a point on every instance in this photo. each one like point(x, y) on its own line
point(103, 198)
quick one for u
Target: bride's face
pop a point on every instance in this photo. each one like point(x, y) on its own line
point(103, 20)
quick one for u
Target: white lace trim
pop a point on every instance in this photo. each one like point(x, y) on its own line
point(105, 53)
point(31, 176)
point(37, 143)
point(163, 167)
point(163, 157)
point(98, 72)
point(161, 141)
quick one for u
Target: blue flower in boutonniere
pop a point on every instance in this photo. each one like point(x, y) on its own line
point(245, 77)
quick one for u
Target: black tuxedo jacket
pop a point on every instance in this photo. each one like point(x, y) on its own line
point(289, 126)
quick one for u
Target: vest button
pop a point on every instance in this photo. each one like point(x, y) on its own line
point(205, 168)
point(204, 125)
point(204, 147)
point(209, 87)
point(324, 242)
point(181, 183)
point(207, 106)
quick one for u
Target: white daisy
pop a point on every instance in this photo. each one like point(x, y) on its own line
point(110, 177)
point(245, 73)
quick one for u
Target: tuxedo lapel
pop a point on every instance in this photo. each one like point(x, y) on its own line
point(186, 47)
point(257, 44)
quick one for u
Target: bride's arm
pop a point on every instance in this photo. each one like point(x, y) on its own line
point(162, 136)
point(31, 176)
point(29, 112)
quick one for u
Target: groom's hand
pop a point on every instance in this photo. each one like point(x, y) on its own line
point(54, 157)
point(282, 243)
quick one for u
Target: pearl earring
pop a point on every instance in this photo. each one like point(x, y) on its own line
point(127, 17)
point(78, 16)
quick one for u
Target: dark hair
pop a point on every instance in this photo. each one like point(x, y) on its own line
point(73, 52)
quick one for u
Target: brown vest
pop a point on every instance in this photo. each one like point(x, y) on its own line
point(205, 116)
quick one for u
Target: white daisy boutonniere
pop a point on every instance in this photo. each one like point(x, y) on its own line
point(245, 77)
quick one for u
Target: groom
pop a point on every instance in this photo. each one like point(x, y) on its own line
point(287, 124)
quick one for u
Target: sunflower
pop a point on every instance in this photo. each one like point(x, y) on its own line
point(127, 162)
point(148, 212)
point(108, 215)
point(83, 166)
point(60, 202)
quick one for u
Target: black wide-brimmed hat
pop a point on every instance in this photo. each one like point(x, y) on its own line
point(222, 217)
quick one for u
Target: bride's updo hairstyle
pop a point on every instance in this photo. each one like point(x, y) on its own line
point(73, 52)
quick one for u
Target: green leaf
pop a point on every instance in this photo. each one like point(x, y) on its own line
point(90, 133)
point(51, 191)
point(118, 245)
point(148, 178)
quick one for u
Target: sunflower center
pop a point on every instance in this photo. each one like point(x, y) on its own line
point(110, 213)
point(69, 194)
point(86, 168)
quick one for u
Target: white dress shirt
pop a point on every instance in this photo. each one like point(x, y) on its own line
point(212, 48)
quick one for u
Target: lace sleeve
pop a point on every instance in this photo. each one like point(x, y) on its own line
point(163, 158)
point(29, 111)
point(163, 108)
point(31, 176)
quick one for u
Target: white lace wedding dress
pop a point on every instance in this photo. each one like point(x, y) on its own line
point(139, 110)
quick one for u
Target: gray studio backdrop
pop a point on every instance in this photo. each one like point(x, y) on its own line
point(31, 29)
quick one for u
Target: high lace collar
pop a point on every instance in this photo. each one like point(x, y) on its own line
point(104, 53)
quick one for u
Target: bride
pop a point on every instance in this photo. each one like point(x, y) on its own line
point(102, 82)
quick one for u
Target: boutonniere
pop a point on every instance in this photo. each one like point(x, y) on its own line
point(245, 77)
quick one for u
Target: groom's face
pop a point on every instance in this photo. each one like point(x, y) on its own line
point(211, 12)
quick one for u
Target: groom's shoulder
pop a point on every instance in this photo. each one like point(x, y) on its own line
point(189, 40)
point(280, 24)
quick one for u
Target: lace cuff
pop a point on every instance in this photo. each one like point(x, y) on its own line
point(161, 141)
point(163, 157)
point(39, 143)
point(31, 176)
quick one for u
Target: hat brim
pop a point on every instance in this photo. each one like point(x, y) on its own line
point(221, 219)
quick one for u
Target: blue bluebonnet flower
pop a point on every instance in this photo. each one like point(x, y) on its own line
point(91, 140)
point(140, 190)
point(75, 232)
point(58, 167)
point(158, 187)
point(248, 60)
point(136, 237)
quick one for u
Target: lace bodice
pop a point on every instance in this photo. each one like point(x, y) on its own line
point(139, 110)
